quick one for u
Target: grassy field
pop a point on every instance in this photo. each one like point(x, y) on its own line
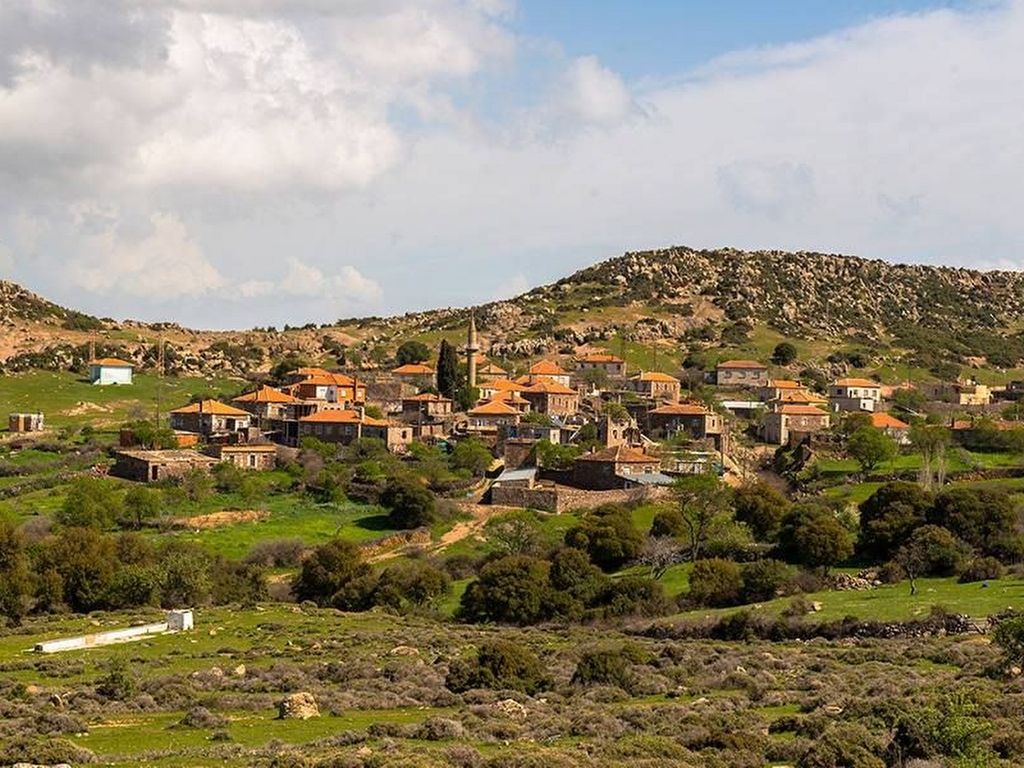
point(68, 400)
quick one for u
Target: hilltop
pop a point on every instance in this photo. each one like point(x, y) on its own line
point(680, 299)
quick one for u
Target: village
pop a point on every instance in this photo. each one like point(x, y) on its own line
point(567, 432)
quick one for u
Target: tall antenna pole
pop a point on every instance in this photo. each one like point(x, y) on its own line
point(160, 377)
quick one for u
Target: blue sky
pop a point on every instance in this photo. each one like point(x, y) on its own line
point(240, 163)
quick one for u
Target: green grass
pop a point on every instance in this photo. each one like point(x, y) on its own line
point(68, 400)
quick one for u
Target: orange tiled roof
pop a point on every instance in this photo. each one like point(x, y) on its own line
point(111, 362)
point(494, 408)
point(599, 358)
point(213, 407)
point(546, 368)
point(784, 384)
point(681, 409)
point(886, 421)
point(427, 397)
point(655, 376)
point(802, 397)
point(620, 454)
point(492, 370)
point(548, 387)
point(265, 394)
point(505, 385)
point(857, 383)
point(741, 364)
point(509, 397)
point(802, 410)
point(414, 369)
point(343, 416)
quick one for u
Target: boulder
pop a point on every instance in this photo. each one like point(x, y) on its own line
point(298, 706)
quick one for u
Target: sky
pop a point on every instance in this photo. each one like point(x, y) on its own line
point(245, 163)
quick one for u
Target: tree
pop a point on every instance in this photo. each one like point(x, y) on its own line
point(932, 441)
point(822, 541)
point(447, 370)
point(784, 353)
point(889, 516)
point(660, 553)
point(414, 583)
point(91, 502)
point(1009, 636)
point(15, 576)
point(411, 504)
point(412, 352)
point(330, 567)
point(716, 583)
point(196, 484)
point(510, 590)
point(704, 505)
point(499, 664)
point(473, 455)
point(142, 504)
point(930, 551)
point(871, 447)
point(608, 536)
point(982, 517)
point(573, 575)
point(84, 560)
point(761, 508)
point(185, 574)
point(517, 533)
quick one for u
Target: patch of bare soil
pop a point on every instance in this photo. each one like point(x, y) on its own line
point(83, 408)
point(224, 517)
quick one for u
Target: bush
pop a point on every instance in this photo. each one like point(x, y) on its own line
point(602, 667)
point(981, 569)
point(330, 567)
point(716, 583)
point(512, 590)
point(276, 553)
point(498, 665)
point(411, 504)
point(609, 537)
point(765, 580)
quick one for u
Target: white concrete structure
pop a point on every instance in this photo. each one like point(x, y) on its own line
point(177, 621)
point(110, 370)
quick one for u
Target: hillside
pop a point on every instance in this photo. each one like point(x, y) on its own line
point(679, 299)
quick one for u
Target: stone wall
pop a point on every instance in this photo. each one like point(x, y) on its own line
point(564, 499)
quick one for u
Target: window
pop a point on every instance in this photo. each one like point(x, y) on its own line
point(252, 459)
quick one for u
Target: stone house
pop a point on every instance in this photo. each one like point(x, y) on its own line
point(552, 398)
point(855, 395)
point(426, 407)
point(418, 374)
point(492, 415)
point(344, 426)
point(489, 389)
point(741, 373)
point(613, 468)
point(266, 403)
point(693, 419)
point(777, 389)
point(251, 456)
point(614, 366)
point(489, 371)
point(893, 427)
point(154, 466)
point(656, 386)
point(546, 369)
point(969, 393)
point(210, 418)
point(25, 422)
point(786, 420)
point(110, 370)
point(332, 387)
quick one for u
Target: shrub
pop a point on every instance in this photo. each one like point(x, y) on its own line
point(118, 684)
point(602, 667)
point(499, 664)
point(981, 569)
point(276, 553)
point(411, 504)
point(330, 567)
point(716, 583)
point(608, 536)
point(512, 589)
point(765, 580)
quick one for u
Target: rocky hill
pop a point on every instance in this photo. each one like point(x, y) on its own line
point(677, 297)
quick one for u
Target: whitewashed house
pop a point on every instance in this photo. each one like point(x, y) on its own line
point(110, 370)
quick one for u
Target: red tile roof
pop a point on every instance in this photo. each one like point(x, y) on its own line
point(856, 383)
point(681, 409)
point(548, 387)
point(343, 416)
point(546, 368)
point(414, 369)
point(111, 362)
point(598, 358)
point(741, 364)
point(494, 408)
point(265, 394)
point(784, 384)
point(886, 421)
point(655, 376)
point(620, 454)
point(427, 397)
point(211, 406)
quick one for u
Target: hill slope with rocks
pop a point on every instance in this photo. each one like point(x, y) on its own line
point(678, 298)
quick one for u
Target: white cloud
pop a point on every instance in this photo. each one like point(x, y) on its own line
point(6, 259)
point(596, 94)
point(304, 281)
point(164, 264)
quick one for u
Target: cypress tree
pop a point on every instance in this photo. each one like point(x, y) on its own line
point(447, 370)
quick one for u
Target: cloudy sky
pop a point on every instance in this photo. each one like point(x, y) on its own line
point(240, 163)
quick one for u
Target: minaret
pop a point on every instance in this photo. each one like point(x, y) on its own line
point(471, 349)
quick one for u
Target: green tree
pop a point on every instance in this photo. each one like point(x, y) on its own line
point(328, 569)
point(414, 583)
point(761, 508)
point(821, 541)
point(609, 536)
point(716, 583)
point(85, 561)
point(411, 504)
point(91, 502)
point(1009, 636)
point(983, 517)
point(889, 516)
point(930, 550)
point(447, 370)
point(704, 503)
point(186, 577)
point(142, 504)
point(196, 484)
point(573, 575)
point(471, 454)
point(500, 665)
point(871, 447)
point(784, 353)
point(412, 352)
point(510, 590)
point(15, 574)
